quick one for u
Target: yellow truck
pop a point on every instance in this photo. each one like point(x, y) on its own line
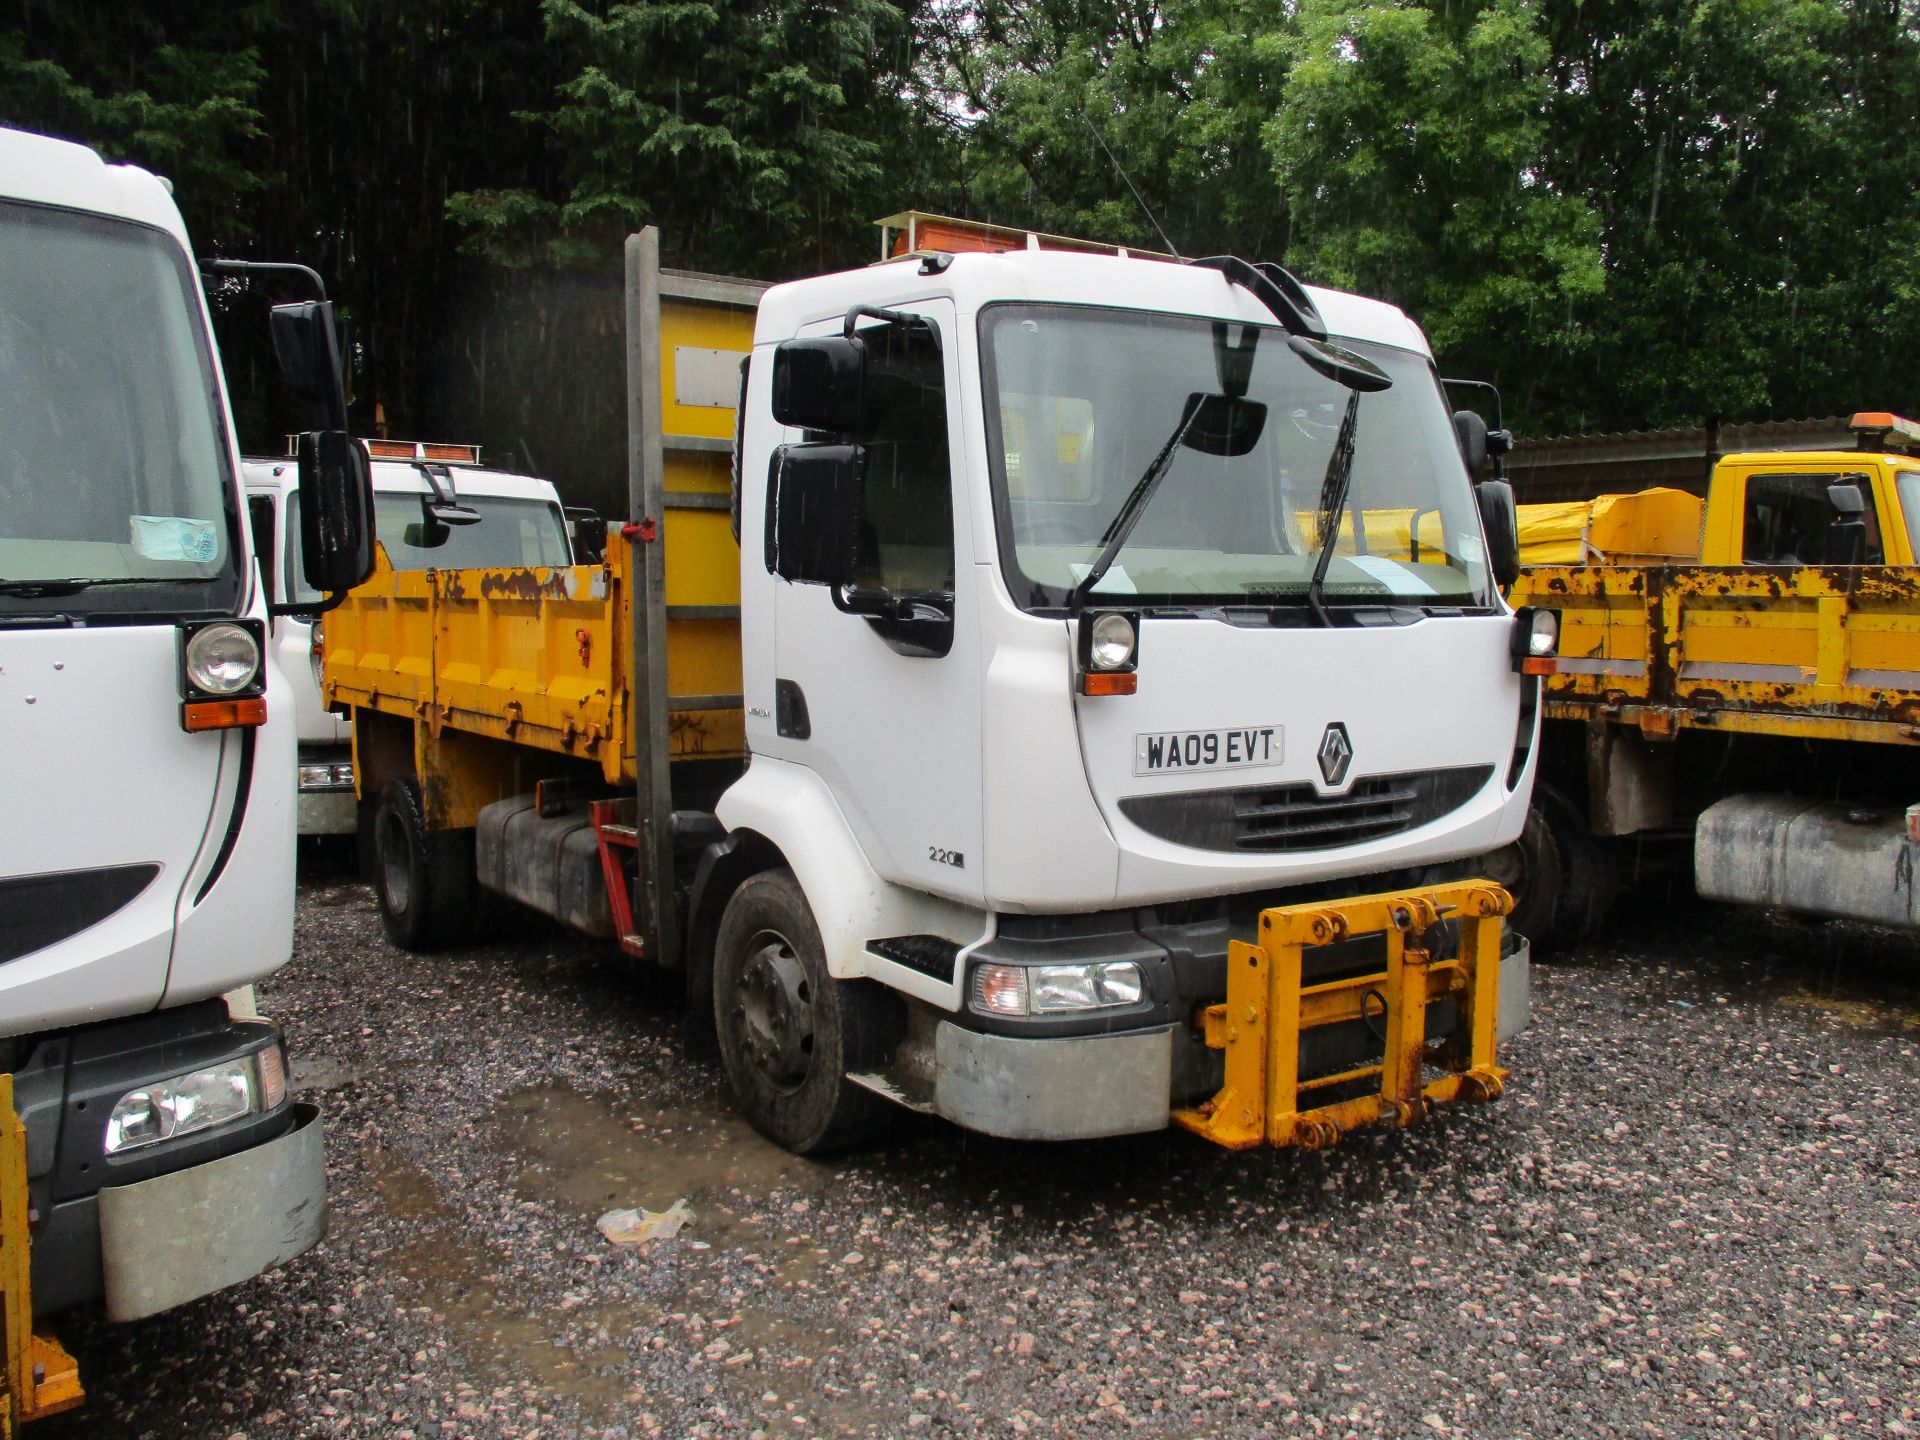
point(1738, 679)
point(1019, 695)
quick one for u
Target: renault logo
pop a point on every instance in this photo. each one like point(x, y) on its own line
point(1336, 754)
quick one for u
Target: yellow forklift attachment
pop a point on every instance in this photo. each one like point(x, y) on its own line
point(39, 1378)
point(1269, 1009)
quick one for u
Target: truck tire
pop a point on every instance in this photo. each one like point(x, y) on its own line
point(789, 1033)
point(424, 878)
point(1563, 878)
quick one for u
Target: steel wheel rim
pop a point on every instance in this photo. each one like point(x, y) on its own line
point(393, 863)
point(772, 1012)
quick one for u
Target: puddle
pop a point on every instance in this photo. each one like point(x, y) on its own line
point(593, 1156)
point(318, 1072)
point(1857, 1014)
point(452, 1276)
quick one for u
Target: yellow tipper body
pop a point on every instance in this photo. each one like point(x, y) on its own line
point(1722, 641)
point(542, 660)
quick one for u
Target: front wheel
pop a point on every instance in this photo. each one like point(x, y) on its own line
point(790, 1034)
point(1563, 878)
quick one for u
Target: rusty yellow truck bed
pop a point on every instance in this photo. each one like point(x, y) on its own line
point(1826, 652)
point(508, 677)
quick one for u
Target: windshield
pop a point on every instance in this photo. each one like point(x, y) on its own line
point(510, 532)
point(1909, 485)
point(113, 468)
point(1081, 401)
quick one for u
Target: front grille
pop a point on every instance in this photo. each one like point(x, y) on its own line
point(1296, 817)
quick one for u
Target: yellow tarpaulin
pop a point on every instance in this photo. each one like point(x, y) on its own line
point(1643, 528)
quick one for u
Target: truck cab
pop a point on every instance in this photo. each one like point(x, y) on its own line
point(1076, 627)
point(1820, 507)
point(505, 519)
point(146, 856)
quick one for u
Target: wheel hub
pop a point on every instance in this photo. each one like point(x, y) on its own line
point(773, 1008)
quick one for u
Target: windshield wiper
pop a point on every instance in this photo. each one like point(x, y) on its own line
point(73, 585)
point(1334, 490)
point(1122, 525)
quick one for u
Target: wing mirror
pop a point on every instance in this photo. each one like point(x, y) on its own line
point(820, 384)
point(813, 498)
point(336, 511)
point(306, 341)
point(1501, 522)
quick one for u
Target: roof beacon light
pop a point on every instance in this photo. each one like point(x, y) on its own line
point(1881, 430)
point(435, 451)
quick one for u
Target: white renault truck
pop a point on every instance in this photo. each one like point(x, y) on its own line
point(146, 754)
point(1083, 735)
point(434, 506)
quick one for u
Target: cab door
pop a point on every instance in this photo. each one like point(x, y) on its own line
point(887, 712)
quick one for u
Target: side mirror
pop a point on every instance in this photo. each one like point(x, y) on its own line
point(588, 532)
point(820, 384)
point(306, 341)
point(1501, 522)
point(1471, 431)
point(336, 511)
point(813, 495)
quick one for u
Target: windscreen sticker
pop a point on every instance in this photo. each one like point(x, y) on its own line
point(175, 537)
point(1116, 580)
point(1401, 579)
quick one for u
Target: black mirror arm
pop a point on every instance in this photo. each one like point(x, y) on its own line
point(890, 317)
point(1277, 289)
point(308, 609)
point(216, 265)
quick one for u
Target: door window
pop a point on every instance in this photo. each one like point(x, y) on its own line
point(1788, 516)
point(906, 516)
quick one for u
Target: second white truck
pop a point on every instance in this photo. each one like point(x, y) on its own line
point(434, 505)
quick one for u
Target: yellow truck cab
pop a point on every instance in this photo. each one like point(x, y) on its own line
point(1786, 508)
point(1750, 692)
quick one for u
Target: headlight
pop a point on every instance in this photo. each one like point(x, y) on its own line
point(188, 1104)
point(1536, 640)
point(222, 659)
point(1112, 642)
point(326, 777)
point(1109, 652)
point(1056, 989)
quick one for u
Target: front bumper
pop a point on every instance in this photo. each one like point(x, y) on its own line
point(326, 812)
point(1063, 1078)
point(177, 1237)
point(325, 800)
point(1079, 1088)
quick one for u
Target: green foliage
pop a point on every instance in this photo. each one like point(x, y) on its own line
point(750, 133)
point(179, 98)
point(1410, 148)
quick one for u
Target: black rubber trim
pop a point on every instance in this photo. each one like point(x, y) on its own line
point(41, 910)
point(237, 818)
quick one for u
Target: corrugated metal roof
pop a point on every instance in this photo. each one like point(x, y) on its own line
point(1576, 467)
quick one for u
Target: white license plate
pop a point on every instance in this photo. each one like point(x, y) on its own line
point(1167, 752)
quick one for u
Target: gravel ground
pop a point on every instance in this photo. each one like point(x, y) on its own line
point(1694, 1213)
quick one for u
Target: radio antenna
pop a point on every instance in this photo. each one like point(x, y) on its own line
point(1140, 199)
